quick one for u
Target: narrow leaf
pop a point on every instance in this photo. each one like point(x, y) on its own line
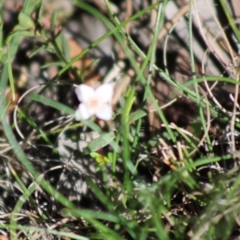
point(51, 103)
point(101, 141)
point(136, 115)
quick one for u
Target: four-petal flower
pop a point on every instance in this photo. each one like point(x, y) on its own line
point(94, 102)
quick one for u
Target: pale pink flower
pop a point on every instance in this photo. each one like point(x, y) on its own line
point(94, 102)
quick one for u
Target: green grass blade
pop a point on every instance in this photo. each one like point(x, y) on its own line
point(51, 103)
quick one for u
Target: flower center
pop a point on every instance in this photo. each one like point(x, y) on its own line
point(94, 104)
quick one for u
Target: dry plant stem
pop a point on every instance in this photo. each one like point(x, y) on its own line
point(180, 152)
point(170, 25)
point(151, 115)
point(184, 131)
point(153, 18)
point(123, 85)
point(210, 38)
point(168, 150)
point(101, 5)
point(233, 146)
point(65, 128)
point(230, 50)
point(66, 165)
point(209, 90)
point(150, 108)
point(115, 74)
point(233, 114)
point(128, 14)
point(3, 145)
point(5, 150)
point(69, 118)
point(235, 106)
point(168, 29)
point(233, 119)
point(167, 154)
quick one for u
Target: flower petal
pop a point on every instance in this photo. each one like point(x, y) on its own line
point(105, 113)
point(82, 113)
point(105, 93)
point(84, 92)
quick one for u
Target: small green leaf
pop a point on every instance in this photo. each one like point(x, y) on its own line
point(136, 115)
point(110, 156)
point(31, 5)
point(94, 155)
point(58, 64)
point(37, 50)
point(65, 48)
point(62, 46)
point(25, 21)
point(101, 141)
point(100, 159)
point(53, 20)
